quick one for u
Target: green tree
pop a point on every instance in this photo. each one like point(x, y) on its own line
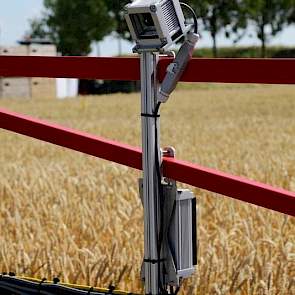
point(73, 25)
point(291, 19)
point(269, 18)
point(217, 16)
point(115, 9)
point(38, 29)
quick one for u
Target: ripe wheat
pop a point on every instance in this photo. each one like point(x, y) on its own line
point(80, 218)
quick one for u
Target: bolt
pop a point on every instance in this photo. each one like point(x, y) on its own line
point(153, 8)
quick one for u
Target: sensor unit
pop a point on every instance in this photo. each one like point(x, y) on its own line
point(182, 234)
point(179, 228)
point(155, 24)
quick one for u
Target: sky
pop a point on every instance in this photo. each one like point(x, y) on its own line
point(15, 16)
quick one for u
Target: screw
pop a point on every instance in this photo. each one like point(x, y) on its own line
point(153, 8)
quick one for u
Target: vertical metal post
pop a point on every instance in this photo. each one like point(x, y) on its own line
point(150, 179)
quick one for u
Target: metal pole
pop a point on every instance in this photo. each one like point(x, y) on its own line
point(150, 179)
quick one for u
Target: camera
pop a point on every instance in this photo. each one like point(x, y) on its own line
point(155, 24)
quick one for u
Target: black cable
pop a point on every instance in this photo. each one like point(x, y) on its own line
point(159, 177)
point(16, 286)
point(194, 16)
point(156, 112)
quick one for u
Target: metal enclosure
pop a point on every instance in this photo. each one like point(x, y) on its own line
point(155, 24)
point(182, 234)
point(179, 227)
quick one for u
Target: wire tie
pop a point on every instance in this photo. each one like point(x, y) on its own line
point(154, 261)
point(150, 115)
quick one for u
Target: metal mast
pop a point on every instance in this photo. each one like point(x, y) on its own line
point(155, 25)
point(151, 202)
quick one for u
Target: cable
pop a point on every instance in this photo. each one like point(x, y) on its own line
point(27, 286)
point(159, 177)
point(194, 16)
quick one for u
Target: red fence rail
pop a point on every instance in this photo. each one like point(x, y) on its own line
point(195, 175)
point(266, 71)
point(279, 71)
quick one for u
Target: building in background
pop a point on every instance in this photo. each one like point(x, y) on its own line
point(29, 87)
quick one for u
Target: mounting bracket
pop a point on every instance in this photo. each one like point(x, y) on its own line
point(177, 239)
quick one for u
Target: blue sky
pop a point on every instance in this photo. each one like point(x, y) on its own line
point(14, 16)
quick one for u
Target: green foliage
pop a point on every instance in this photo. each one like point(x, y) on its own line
point(38, 28)
point(234, 17)
point(269, 17)
point(73, 25)
point(217, 16)
point(291, 18)
point(115, 8)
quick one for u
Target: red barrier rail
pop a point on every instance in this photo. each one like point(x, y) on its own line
point(232, 186)
point(265, 71)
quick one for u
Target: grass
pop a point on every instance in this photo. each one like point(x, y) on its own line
point(70, 215)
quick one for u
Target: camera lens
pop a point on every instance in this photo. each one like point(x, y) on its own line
point(144, 26)
point(147, 19)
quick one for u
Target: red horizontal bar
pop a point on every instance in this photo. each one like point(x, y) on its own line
point(72, 139)
point(236, 187)
point(102, 68)
point(261, 71)
point(266, 71)
point(225, 184)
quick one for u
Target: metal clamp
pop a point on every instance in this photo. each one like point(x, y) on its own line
point(168, 152)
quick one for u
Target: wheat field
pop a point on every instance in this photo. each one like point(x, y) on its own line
point(69, 215)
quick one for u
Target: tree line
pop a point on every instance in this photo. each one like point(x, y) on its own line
point(74, 25)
